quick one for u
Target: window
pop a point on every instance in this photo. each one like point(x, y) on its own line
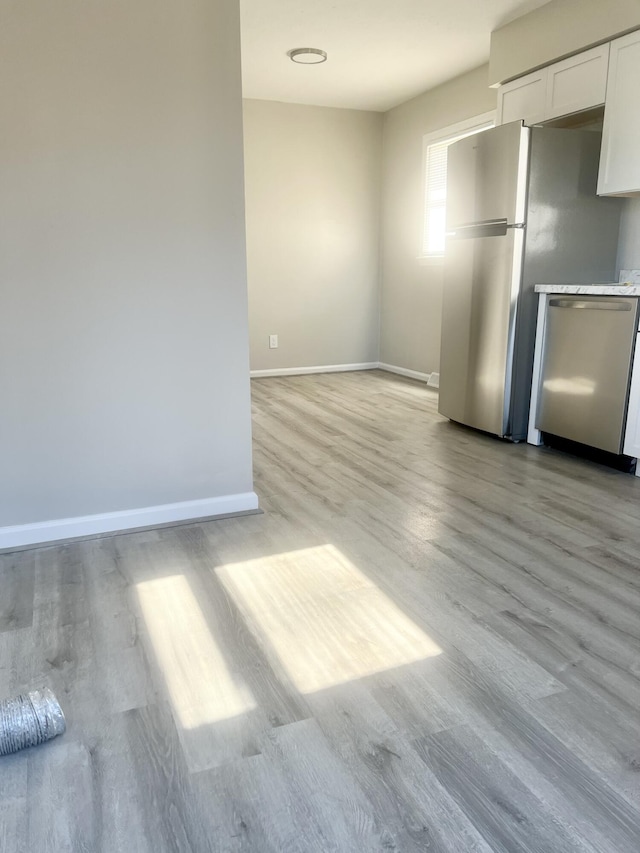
point(435, 181)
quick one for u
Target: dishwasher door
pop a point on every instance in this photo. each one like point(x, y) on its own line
point(586, 369)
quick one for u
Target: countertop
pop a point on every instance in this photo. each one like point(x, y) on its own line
point(591, 289)
point(629, 285)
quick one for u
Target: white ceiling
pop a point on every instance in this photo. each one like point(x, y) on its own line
point(381, 52)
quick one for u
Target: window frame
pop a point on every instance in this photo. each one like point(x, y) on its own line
point(462, 128)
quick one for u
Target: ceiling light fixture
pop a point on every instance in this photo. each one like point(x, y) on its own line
point(307, 55)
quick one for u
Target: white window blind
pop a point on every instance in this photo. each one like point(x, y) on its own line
point(435, 190)
point(435, 199)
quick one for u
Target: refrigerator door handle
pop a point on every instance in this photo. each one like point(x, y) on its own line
point(490, 228)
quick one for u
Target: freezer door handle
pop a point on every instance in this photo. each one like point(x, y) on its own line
point(590, 306)
point(490, 228)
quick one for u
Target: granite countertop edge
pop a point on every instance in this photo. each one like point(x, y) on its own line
point(591, 289)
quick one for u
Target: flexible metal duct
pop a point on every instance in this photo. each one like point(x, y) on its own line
point(29, 719)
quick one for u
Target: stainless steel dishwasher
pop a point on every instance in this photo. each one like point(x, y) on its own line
point(586, 369)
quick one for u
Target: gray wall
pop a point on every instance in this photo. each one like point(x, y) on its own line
point(312, 177)
point(123, 353)
point(629, 245)
point(411, 300)
point(554, 30)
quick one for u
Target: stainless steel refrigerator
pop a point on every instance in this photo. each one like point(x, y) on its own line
point(521, 210)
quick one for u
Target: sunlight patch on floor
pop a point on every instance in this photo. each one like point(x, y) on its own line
point(321, 619)
point(201, 688)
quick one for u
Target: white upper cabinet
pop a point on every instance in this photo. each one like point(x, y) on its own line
point(523, 98)
point(620, 156)
point(577, 83)
point(574, 84)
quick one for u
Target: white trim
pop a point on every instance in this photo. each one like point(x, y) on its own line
point(534, 436)
point(404, 371)
point(20, 535)
point(432, 379)
point(454, 129)
point(430, 260)
point(325, 368)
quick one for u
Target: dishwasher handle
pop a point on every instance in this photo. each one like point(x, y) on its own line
point(600, 305)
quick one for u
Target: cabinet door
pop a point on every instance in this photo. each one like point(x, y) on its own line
point(523, 98)
point(577, 83)
point(632, 430)
point(620, 156)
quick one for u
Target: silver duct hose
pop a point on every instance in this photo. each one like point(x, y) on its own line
point(28, 720)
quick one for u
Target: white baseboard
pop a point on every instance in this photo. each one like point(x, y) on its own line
point(22, 535)
point(404, 371)
point(325, 368)
point(432, 379)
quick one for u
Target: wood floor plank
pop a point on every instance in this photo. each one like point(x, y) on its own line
point(121, 665)
point(620, 568)
point(330, 811)
point(256, 807)
point(14, 803)
point(598, 625)
point(63, 784)
point(147, 802)
point(454, 626)
point(572, 659)
point(276, 697)
point(550, 770)
point(17, 574)
point(17, 650)
point(417, 811)
point(603, 738)
point(12, 833)
point(410, 697)
point(429, 640)
point(511, 819)
point(213, 707)
point(63, 653)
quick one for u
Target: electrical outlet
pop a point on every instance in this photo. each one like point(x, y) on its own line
point(273, 342)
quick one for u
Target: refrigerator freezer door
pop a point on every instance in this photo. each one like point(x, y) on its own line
point(478, 321)
point(487, 175)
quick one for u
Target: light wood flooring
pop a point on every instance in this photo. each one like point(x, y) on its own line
point(429, 641)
